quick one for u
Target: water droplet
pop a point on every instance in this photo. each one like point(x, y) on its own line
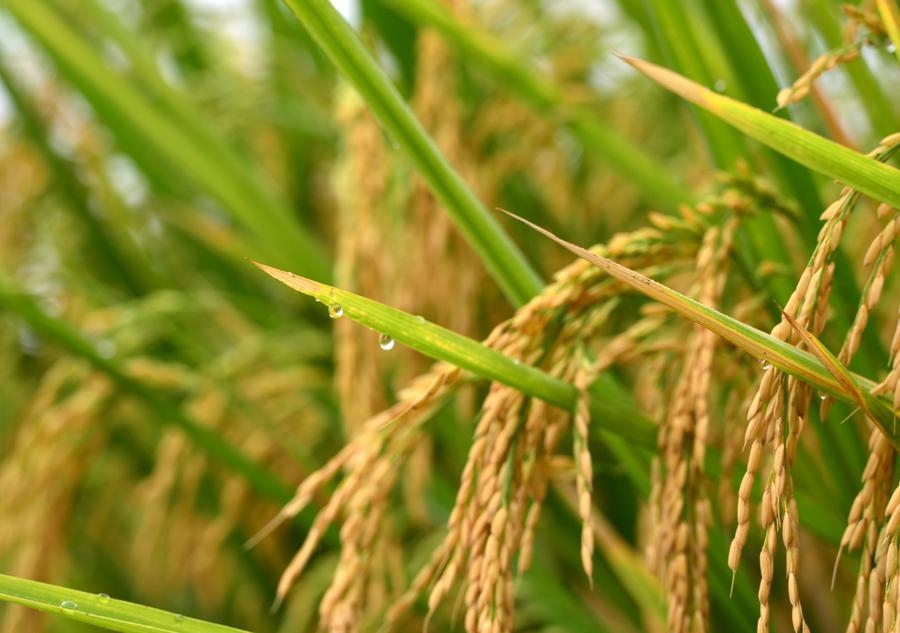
point(179, 618)
point(335, 311)
point(68, 605)
point(103, 597)
point(765, 364)
point(720, 85)
point(823, 396)
point(385, 342)
point(420, 319)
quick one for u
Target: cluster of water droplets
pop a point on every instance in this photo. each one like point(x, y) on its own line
point(103, 598)
point(385, 342)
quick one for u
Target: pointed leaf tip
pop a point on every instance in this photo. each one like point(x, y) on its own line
point(296, 282)
point(682, 86)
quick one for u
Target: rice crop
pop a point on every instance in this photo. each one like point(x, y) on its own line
point(449, 315)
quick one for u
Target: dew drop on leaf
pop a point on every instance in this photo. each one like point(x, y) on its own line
point(385, 342)
point(103, 597)
point(68, 605)
point(335, 311)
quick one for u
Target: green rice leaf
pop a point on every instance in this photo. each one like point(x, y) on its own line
point(501, 256)
point(864, 174)
point(100, 610)
point(442, 344)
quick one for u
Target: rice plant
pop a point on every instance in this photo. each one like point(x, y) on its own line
point(405, 315)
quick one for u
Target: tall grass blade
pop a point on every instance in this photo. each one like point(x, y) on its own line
point(100, 610)
point(504, 260)
point(864, 174)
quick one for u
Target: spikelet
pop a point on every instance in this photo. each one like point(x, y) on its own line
point(858, 18)
point(584, 472)
point(797, 91)
point(862, 17)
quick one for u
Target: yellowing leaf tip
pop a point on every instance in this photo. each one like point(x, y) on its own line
point(296, 282)
point(685, 88)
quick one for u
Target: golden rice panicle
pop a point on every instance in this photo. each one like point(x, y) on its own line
point(778, 414)
point(584, 474)
point(512, 455)
point(679, 499)
point(51, 453)
point(864, 523)
point(776, 417)
point(879, 258)
point(891, 383)
point(363, 261)
point(889, 540)
point(369, 462)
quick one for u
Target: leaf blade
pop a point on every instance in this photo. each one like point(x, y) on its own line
point(102, 611)
point(869, 176)
point(445, 345)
